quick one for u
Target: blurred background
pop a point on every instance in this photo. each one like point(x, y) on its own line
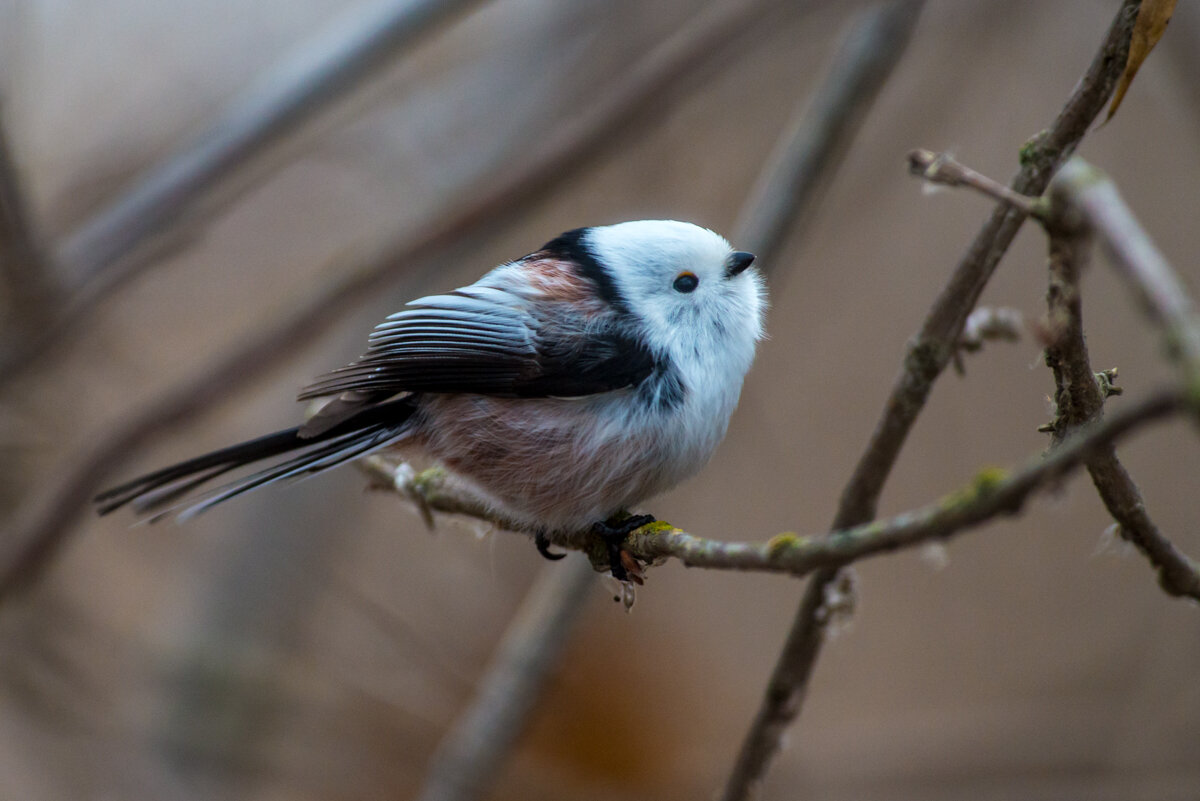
point(314, 641)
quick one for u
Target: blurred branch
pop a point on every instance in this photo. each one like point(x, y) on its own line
point(1080, 393)
point(22, 264)
point(42, 528)
point(275, 108)
point(476, 746)
point(823, 130)
point(1164, 298)
point(934, 346)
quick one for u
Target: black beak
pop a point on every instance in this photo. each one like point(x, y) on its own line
point(737, 262)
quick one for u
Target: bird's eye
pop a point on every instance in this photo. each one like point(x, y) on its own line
point(686, 282)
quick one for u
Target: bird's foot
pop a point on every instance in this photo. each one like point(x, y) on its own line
point(614, 531)
point(543, 547)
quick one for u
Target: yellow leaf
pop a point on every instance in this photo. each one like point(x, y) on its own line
point(1151, 21)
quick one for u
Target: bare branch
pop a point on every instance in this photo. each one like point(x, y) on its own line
point(23, 267)
point(42, 529)
point(1162, 295)
point(934, 345)
point(1080, 392)
point(993, 492)
point(1079, 398)
point(929, 352)
point(274, 109)
point(476, 746)
point(942, 168)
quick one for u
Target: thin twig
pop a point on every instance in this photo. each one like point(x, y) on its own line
point(1162, 295)
point(472, 752)
point(23, 267)
point(934, 346)
point(1080, 394)
point(43, 527)
point(101, 252)
point(942, 168)
point(992, 493)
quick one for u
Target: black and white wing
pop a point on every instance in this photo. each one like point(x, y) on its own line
point(484, 340)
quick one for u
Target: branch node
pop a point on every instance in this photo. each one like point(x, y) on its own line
point(1000, 324)
point(413, 486)
point(839, 600)
point(1106, 380)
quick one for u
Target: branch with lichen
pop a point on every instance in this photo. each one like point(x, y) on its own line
point(1080, 392)
point(929, 352)
point(994, 492)
point(1079, 203)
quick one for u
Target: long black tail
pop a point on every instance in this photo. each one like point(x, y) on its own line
point(372, 428)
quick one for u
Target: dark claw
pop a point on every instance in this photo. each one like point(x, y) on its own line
point(614, 534)
point(543, 547)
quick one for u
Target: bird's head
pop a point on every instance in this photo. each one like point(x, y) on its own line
point(691, 293)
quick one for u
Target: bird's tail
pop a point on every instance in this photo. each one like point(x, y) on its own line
point(373, 428)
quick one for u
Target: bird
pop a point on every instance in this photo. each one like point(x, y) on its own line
point(562, 388)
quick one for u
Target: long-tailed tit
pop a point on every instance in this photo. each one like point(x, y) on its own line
point(563, 387)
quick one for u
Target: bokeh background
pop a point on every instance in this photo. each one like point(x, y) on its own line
point(314, 641)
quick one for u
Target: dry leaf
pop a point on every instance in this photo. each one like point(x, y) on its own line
point(1151, 21)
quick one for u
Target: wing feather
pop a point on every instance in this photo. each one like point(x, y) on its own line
point(485, 340)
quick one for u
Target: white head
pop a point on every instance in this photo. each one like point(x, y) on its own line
point(697, 298)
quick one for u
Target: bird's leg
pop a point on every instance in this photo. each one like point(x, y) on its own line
point(614, 531)
point(543, 546)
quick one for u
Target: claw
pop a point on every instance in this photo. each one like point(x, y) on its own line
point(614, 535)
point(543, 547)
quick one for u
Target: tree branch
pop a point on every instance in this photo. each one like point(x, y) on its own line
point(928, 354)
point(941, 168)
point(471, 754)
point(1080, 394)
point(274, 109)
point(23, 267)
point(1163, 297)
point(42, 528)
point(993, 492)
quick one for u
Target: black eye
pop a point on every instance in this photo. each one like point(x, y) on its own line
point(686, 282)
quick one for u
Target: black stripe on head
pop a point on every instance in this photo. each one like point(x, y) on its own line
point(570, 246)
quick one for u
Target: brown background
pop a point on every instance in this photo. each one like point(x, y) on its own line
point(313, 641)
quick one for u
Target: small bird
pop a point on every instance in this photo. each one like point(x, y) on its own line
point(563, 387)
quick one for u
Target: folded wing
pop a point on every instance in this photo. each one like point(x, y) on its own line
point(487, 341)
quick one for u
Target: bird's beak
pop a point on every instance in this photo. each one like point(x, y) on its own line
point(737, 262)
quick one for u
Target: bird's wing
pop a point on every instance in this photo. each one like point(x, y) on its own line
point(484, 340)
